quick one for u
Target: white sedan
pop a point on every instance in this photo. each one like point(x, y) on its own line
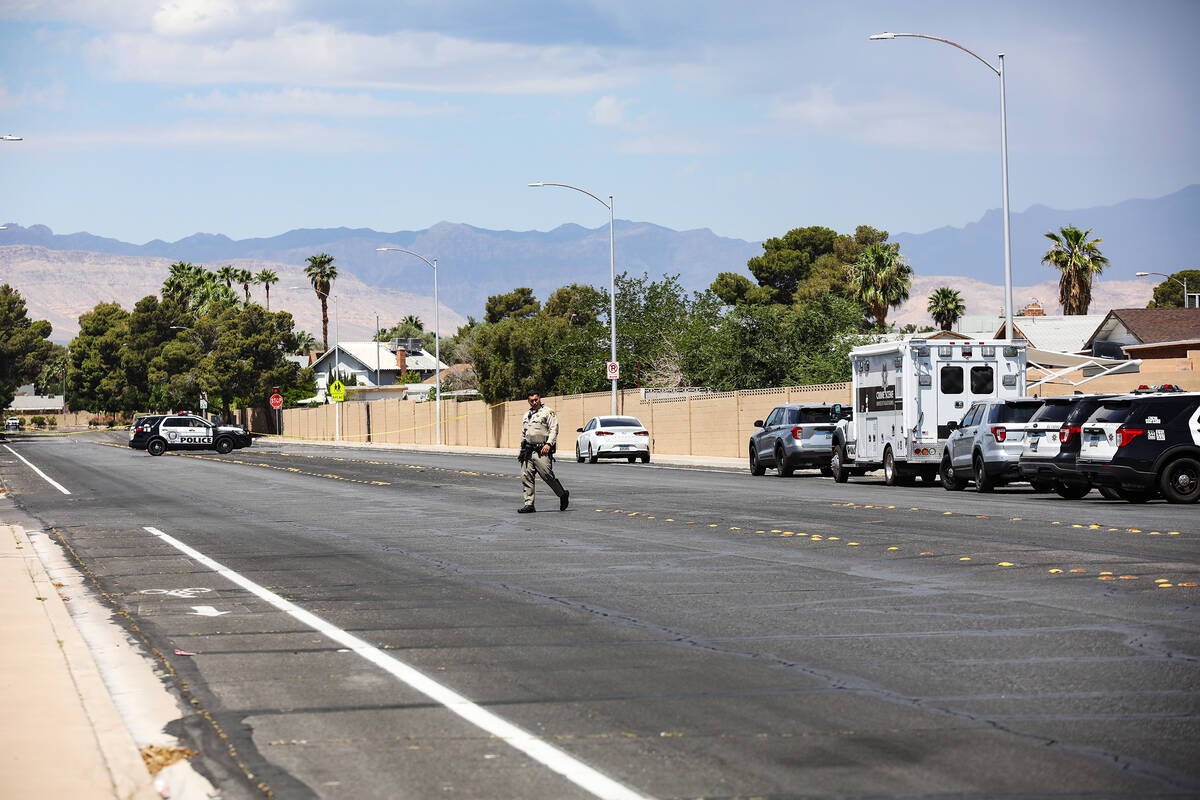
point(613, 437)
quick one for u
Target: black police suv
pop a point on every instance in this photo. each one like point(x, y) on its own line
point(1144, 445)
point(158, 434)
point(1051, 450)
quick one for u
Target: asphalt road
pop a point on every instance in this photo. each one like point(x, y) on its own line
point(385, 619)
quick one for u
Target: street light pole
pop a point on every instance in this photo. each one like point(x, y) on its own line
point(437, 337)
point(1008, 298)
point(612, 276)
point(1181, 281)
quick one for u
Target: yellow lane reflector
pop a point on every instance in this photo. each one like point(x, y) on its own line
point(852, 544)
point(926, 554)
point(1164, 585)
point(893, 548)
point(965, 558)
point(1129, 577)
point(1004, 564)
point(1055, 571)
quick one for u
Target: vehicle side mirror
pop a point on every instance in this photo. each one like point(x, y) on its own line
point(952, 426)
point(758, 423)
point(579, 430)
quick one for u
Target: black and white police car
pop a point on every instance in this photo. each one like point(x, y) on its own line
point(158, 434)
point(1144, 446)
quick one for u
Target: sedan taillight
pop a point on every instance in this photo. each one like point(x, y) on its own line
point(604, 433)
point(796, 432)
point(999, 433)
point(1129, 434)
point(1066, 432)
point(641, 433)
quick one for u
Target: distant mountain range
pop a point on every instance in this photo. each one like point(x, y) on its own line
point(1157, 235)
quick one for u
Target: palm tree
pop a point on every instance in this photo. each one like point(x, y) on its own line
point(304, 342)
point(413, 321)
point(228, 274)
point(1078, 258)
point(244, 278)
point(946, 307)
point(321, 273)
point(880, 280)
point(267, 277)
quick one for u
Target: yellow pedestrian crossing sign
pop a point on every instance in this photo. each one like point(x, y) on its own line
point(337, 391)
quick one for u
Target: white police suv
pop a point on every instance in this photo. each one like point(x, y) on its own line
point(158, 434)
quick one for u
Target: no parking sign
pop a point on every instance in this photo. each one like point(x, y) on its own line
point(613, 370)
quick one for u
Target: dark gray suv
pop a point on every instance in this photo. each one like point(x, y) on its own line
point(795, 435)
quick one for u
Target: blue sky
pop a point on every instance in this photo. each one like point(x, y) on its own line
point(151, 119)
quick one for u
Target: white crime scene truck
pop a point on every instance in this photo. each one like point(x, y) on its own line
point(906, 395)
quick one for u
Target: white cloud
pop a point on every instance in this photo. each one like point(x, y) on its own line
point(240, 136)
point(608, 110)
point(52, 97)
point(902, 122)
point(309, 102)
point(198, 18)
point(660, 144)
point(319, 55)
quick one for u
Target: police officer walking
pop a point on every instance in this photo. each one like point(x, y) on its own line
point(539, 438)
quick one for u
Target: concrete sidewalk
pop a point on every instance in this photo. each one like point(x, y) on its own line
point(61, 735)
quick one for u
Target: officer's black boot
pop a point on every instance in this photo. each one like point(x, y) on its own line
point(563, 500)
point(526, 510)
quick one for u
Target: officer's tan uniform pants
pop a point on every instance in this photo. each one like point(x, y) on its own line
point(544, 465)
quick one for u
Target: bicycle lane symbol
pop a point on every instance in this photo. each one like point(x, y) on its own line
point(184, 593)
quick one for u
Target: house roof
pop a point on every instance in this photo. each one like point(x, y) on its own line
point(1063, 334)
point(1149, 325)
point(367, 353)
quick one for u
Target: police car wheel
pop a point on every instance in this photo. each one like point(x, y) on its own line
point(1180, 480)
point(983, 483)
point(1068, 490)
point(782, 466)
point(755, 467)
point(1137, 495)
point(156, 447)
point(224, 446)
point(949, 482)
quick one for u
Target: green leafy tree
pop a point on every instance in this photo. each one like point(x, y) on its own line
point(267, 278)
point(754, 347)
point(97, 376)
point(946, 307)
point(1169, 293)
point(579, 304)
point(321, 274)
point(457, 349)
point(788, 259)
point(52, 377)
point(24, 344)
point(736, 290)
point(1078, 258)
point(880, 280)
point(517, 304)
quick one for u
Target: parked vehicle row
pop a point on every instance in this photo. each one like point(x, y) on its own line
point(796, 435)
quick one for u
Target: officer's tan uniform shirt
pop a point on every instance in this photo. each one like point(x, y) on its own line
point(540, 427)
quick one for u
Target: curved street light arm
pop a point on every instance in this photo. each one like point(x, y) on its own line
point(982, 60)
point(410, 252)
point(540, 184)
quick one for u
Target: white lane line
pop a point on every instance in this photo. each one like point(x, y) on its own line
point(49, 480)
point(572, 769)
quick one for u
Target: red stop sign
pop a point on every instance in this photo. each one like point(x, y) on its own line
point(276, 401)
